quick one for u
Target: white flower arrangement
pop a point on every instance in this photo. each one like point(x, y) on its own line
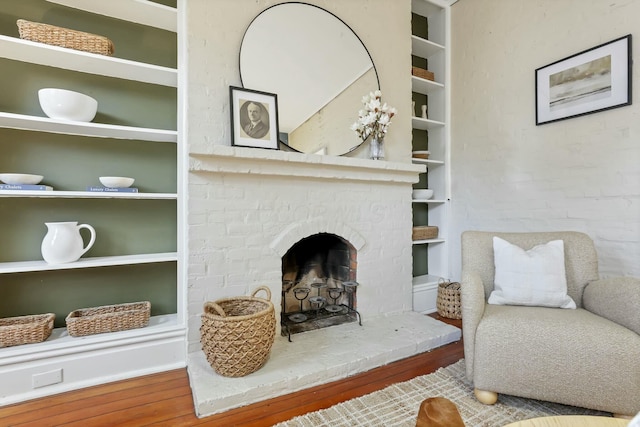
point(375, 119)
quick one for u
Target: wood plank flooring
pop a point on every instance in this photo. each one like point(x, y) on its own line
point(165, 399)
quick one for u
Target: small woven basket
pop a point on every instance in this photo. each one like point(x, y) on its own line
point(108, 318)
point(421, 72)
point(64, 37)
point(424, 232)
point(420, 155)
point(237, 333)
point(448, 301)
point(25, 329)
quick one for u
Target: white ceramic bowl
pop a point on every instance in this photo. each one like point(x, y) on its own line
point(422, 194)
point(20, 178)
point(116, 181)
point(67, 105)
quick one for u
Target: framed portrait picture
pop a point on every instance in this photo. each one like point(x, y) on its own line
point(594, 80)
point(254, 118)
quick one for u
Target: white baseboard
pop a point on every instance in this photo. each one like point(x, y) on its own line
point(425, 294)
point(37, 370)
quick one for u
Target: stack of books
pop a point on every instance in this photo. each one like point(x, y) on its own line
point(39, 187)
point(112, 189)
point(27, 187)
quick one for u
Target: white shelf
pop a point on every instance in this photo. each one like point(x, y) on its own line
point(427, 162)
point(424, 48)
point(425, 279)
point(435, 201)
point(427, 241)
point(423, 8)
point(87, 195)
point(98, 130)
point(61, 343)
point(425, 124)
point(425, 293)
point(75, 60)
point(31, 266)
point(424, 86)
point(139, 11)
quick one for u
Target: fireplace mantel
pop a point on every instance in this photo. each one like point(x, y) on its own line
point(226, 159)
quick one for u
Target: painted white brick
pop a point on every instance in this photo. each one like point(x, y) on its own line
point(250, 234)
point(244, 220)
point(508, 174)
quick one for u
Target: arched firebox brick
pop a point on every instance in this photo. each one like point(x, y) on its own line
point(300, 230)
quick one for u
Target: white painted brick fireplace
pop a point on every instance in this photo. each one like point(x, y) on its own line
point(247, 208)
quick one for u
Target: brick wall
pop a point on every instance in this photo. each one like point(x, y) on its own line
point(242, 223)
point(244, 212)
point(508, 174)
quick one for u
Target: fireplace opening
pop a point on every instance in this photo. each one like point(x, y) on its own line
point(318, 284)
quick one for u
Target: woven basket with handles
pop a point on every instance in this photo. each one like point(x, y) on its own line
point(237, 333)
point(448, 302)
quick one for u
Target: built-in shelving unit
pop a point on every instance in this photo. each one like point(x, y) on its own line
point(428, 201)
point(424, 48)
point(162, 344)
point(87, 195)
point(424, 86)
point(30, 266)
point(97, 130)
point(425, 124)
point(139, 11)
point(61, 344)
point(428, 162)
point(59, 57)
point(429, 43)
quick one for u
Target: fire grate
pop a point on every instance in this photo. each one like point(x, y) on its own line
point(324, 306)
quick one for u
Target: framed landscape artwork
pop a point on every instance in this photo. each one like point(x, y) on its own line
point(254, 118)
point(594, 80)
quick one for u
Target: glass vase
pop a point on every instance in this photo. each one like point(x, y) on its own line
point(376, 147)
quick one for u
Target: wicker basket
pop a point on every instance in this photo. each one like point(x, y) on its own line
point(108, 318)
point(424, 232)
point(64, 37)
point(421, 154)
point(237, 333)
point(448, 301)
point(420, 72)
point(25, 329)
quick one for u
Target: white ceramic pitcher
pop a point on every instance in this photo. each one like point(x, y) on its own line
point(63, 242)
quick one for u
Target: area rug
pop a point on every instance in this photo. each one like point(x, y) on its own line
point(397, 405)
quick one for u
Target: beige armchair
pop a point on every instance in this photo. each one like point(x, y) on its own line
point(587, 357)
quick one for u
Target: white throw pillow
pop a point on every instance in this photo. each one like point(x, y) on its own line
point(535, 277)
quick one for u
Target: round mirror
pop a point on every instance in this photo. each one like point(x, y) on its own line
point(319, 69)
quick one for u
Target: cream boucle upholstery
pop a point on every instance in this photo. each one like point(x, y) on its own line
point(587, 357)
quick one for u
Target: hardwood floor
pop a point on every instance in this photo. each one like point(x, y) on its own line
point(165, 399)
